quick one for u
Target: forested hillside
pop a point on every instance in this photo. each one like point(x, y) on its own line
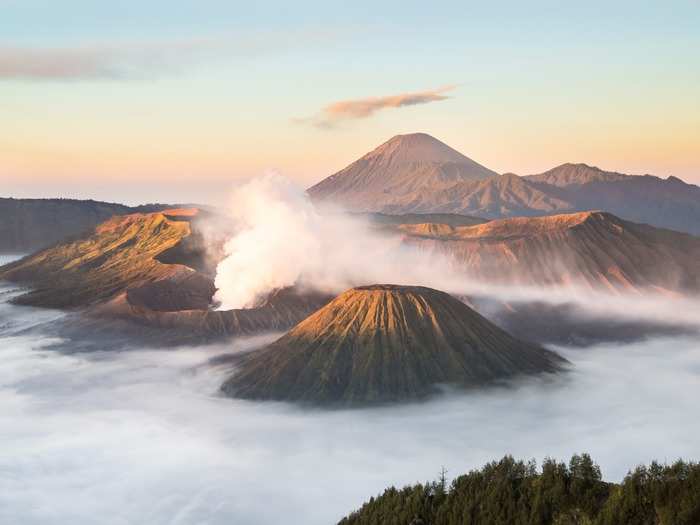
point(510, 492)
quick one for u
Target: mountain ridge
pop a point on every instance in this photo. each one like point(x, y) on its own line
point(151, 269)
point(593, 249)
point(570, 187)
point(27, 225)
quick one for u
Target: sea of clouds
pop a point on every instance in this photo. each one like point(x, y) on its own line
point(142, 435)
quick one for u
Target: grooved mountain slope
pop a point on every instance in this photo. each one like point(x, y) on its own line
point(592, 249)
point(385, 343)
point(152, 269)
point(119, 255)
point(397, 173)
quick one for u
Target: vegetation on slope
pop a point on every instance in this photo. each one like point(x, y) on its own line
point(510, 492)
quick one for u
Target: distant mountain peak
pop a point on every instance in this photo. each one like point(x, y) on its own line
point(403, 169)
point(417, 147)
point(576, 173)
point(577, 165)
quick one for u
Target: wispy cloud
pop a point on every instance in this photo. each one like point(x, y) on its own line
point(36, 63)
point(366, 107)
point(135, 59)
point(97, 61)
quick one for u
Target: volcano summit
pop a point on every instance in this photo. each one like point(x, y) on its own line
point(384, 343)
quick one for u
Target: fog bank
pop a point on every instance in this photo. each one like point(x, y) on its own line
point(142, 437)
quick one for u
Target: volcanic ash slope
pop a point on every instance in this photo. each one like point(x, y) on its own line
point(385, 343)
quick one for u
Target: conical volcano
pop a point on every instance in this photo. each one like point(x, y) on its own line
point(385, 343)
point(398, 174)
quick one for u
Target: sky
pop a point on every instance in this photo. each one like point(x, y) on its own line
point(179, 101)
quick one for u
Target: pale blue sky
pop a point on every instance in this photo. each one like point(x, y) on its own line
point(96, 95)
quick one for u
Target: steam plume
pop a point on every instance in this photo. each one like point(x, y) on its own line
point(282, 240)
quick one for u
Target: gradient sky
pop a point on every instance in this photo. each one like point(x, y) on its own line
point(176, 100)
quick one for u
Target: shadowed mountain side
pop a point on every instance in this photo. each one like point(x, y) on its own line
point(121, 324)
point(385, 343)
point(500, 196)
point(280, 311)
point(153, 270)
point(665, 203)
point(451, 219)
point(592, 249)
point(572, 324)
point(27, 225)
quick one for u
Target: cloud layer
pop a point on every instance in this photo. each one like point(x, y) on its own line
point(366, 107)
point(34, 63)
point(141, 436)
point(98, 61)
point(139, 58)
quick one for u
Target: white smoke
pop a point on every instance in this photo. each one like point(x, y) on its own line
point(282, 240)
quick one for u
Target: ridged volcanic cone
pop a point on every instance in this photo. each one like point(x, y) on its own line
point(385, 343)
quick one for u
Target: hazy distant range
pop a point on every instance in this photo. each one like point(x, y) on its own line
point(413, 173)
point(417, 173)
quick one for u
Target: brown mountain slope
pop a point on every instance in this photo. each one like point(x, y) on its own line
point(153, 269)
point(385, 343)
point(453, 219)
point(501, 196)
point(281, 310)
point(593, 249)
point(119, 254)
point(396, 175)
point(576, 174)
point(385, 181)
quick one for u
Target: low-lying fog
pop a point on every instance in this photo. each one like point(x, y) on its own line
point(141, 436)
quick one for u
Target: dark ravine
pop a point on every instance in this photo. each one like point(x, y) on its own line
point(573, 324)
point(449, 219)
point(386, 343)
point(281, 310)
